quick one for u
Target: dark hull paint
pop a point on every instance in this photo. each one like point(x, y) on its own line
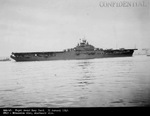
point(71, 56)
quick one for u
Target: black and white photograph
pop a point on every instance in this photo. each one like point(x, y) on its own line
point(57, 56)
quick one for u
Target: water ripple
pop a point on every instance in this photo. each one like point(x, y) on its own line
point(77, 83)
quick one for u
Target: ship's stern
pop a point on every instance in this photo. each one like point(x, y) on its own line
point(13, 56)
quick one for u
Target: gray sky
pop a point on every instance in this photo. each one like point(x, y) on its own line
point(50, 25)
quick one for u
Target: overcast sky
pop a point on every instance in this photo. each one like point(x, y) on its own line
point(50, 25)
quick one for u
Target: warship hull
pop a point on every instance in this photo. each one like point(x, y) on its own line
point(71, 55)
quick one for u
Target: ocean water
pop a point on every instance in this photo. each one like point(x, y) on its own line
point(108, 82)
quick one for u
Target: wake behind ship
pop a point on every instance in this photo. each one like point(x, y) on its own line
point(82, 51)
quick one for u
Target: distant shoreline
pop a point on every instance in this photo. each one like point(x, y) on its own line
point(5, 59)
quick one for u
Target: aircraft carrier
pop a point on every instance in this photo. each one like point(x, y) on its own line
point(83, 50)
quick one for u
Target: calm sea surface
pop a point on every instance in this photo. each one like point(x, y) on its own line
point(108, 82)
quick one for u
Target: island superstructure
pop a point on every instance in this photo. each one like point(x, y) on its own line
point(83, 50)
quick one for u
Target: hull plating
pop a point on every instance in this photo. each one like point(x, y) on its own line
point(71, 56)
